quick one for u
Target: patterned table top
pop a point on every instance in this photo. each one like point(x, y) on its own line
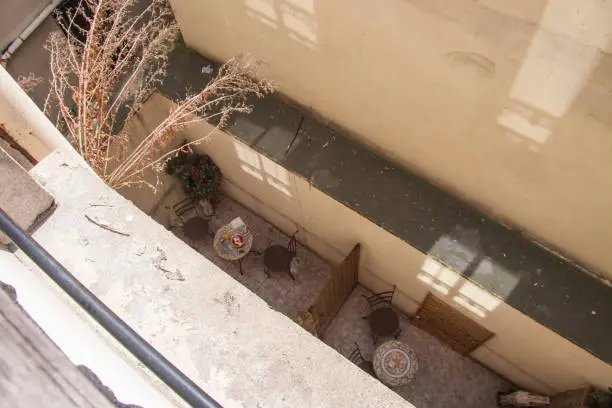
point(395, 363)
point(224, 247)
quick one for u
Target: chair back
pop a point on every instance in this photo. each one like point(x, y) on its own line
point(356, 357)
point(183, 206)
point(292, 246)
point(382, 299)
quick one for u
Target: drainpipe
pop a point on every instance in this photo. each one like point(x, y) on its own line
point(34, 24)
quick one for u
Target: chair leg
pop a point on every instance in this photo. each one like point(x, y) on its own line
point(267, 272)
point(397, 333)
point(240, 266)
point(374, 338)
point(290, 274)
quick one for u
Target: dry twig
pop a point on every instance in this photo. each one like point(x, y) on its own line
point(29, 82)
point(106, 227)
point(102, 74)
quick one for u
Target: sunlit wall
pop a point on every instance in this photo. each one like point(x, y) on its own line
point(506, 102)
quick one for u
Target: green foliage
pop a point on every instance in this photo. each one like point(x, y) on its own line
point(199, 174)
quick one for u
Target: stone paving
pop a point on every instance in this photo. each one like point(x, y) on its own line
point(279, 291)
point(444, 379)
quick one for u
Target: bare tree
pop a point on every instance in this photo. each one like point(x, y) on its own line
point(111, 58)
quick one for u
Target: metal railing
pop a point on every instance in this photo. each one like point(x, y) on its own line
point(143, 351)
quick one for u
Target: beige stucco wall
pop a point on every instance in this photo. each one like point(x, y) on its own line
point(158, 184)
point(522, 350)
point(506, 102)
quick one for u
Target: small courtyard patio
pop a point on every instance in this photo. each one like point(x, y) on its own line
point(282, 293)
point(444, 378)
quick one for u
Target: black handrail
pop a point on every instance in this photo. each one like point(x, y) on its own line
point(135, 344)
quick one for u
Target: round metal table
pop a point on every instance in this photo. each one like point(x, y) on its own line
point(228, 251)
point(277, 258)
point(196, 228)
point(384, 322)
point(395, 363)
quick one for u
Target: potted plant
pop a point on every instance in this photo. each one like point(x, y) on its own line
point(198, 173)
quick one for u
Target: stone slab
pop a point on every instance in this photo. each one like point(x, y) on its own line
point(22, 198)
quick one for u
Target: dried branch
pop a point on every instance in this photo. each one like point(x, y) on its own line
point(29, 82)
point(112, 66)
point(106, 227)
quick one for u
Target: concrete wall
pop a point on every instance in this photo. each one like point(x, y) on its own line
point(13, 106)
point(141, 125)
point(522, 350)
point(506, 102)
point(25, 123)
point(32, 57)
point(15, 16)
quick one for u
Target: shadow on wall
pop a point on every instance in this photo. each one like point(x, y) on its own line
point(545, 65)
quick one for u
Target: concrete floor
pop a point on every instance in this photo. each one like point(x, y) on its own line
point(279, 291)
point(445, 379)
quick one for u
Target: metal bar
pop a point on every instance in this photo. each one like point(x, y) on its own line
point(135, 344)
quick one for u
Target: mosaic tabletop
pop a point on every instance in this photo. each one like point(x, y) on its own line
point(395, 363)
point(226, 249)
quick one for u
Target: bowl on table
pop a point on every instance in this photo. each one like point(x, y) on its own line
point(237, 240)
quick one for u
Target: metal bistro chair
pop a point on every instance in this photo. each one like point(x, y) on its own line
point(383, 320)
point(194, 228)
point(277, 258)
point(359, 360)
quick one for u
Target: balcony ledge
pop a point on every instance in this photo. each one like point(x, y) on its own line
point(216, 331)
